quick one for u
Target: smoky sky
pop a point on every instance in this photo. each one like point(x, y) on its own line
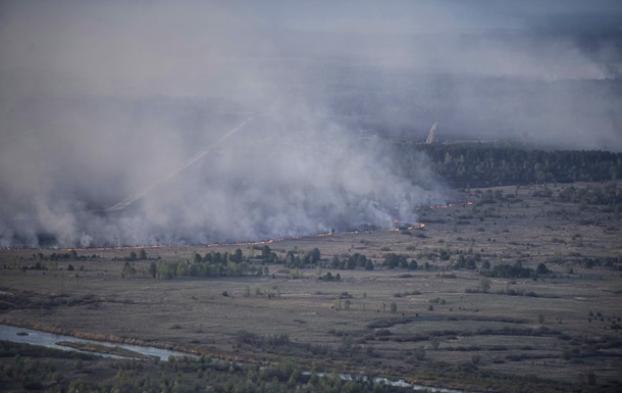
point(100, 101)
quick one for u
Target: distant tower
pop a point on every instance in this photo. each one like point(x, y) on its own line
point(431, 135)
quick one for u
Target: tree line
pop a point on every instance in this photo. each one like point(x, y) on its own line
point(487, 165)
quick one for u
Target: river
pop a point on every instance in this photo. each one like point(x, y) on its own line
point(51, 340)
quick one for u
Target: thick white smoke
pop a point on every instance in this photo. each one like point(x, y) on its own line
point(113, 125)
point(102, 104)
point(282, 174)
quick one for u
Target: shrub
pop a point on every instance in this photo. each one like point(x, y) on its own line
point(485, 284)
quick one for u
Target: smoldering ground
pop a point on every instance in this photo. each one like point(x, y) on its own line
point(105, 102)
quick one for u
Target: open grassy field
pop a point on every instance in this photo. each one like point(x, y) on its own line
point(459, 319)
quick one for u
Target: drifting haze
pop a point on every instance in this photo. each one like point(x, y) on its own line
point(103, 100)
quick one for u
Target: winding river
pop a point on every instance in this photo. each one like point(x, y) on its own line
point(51, 340)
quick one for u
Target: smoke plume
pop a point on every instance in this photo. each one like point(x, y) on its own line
point(144, 122)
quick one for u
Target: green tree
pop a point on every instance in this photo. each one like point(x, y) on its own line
point(485, 284)
point(369, 265)
point(153, 269)
point(237, 256)
point(542, 269)
point(128, 270)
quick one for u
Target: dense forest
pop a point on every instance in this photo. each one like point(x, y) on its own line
point(487, 165)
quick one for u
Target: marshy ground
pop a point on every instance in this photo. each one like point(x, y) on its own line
point(513, 287)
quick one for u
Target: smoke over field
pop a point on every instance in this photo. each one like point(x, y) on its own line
point(266, 180)
point(117, 130)
point(117, 173)
point(125, 104)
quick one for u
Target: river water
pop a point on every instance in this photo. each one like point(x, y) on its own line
point(51, 340)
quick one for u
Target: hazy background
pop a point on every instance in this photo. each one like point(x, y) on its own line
point(100, 101)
